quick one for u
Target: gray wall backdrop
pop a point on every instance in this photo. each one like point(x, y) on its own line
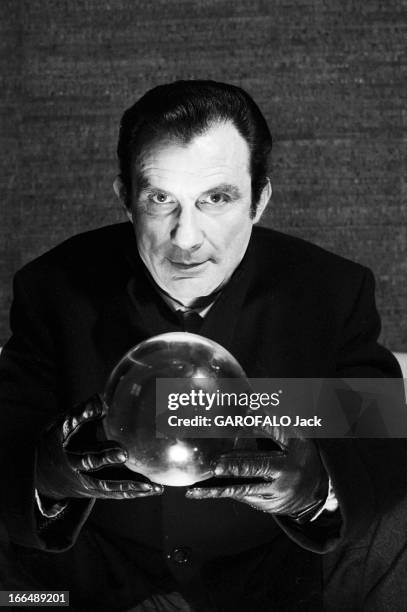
point(328, 75)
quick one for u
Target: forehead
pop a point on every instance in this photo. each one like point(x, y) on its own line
point(220, 154)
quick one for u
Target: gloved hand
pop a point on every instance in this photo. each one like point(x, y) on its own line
point(290, 481)
point(67, 462)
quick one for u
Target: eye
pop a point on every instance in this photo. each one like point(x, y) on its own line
point(159, 197)
point(217, 198)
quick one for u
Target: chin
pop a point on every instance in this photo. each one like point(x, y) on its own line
point(188, 290)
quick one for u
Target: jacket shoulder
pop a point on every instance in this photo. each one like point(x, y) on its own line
point(297, 256)
point(97, 257)
point(84, 249)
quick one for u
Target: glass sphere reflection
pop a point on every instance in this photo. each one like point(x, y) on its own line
point(131, 399)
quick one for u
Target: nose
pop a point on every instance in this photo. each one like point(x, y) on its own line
point(187, 233)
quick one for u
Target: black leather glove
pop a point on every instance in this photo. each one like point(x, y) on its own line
point(68, 460)
point(290, 481)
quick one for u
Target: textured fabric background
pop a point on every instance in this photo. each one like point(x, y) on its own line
point(327, 74)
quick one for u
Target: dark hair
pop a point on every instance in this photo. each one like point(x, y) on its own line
point(185, 109)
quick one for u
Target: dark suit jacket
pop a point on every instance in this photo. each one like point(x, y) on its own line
point(290, 310)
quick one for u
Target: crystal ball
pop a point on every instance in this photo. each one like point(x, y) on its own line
point(199, 364)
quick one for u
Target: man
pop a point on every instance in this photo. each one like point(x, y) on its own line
point(194, 159)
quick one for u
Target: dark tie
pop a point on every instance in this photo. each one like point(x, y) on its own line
point(191, 321)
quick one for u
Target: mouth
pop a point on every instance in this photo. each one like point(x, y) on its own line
point(193, 265)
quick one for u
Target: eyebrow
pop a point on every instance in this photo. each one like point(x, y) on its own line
point(144, 183)
point(232, 190)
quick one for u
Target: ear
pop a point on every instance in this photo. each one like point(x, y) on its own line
point(263, 200)
point(120, 191)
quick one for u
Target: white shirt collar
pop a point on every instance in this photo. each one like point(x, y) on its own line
point(176, 305)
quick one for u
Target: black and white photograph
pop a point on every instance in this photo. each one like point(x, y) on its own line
point(203, 305)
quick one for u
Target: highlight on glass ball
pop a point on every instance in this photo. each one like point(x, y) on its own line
point(197, 364)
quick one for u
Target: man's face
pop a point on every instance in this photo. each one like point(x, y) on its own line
point(191, 211)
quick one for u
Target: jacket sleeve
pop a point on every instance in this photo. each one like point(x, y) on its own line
point(30, 399)
point(369, 476)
